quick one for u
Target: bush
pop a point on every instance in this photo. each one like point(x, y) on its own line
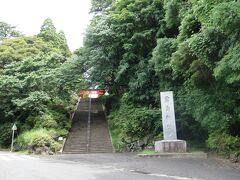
point(35, 138)
point(55, 146)
point(137, 122)
point(130, 123)
point(224, 144)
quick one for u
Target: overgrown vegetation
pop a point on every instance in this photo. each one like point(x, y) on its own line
point(135, 49)
point(39, 79)
point(36, 139)
point(132, 126)
point(139, 48)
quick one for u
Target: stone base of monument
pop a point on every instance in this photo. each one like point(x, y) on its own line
point(171, 146)
point(191, 155)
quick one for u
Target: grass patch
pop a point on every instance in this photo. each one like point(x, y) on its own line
point(38, 138)
point(147, 152)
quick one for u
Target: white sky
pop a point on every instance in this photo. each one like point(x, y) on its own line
point(71, 16)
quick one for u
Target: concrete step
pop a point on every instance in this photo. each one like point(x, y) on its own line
point(101, 151)
point(100, 141)
point(76, 149)
point(76, 145)
point(75, 152)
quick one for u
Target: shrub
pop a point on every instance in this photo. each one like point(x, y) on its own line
point(130, 123)
point(136, 122)
point(224, 144)
point(55, 146)
point(35, 138)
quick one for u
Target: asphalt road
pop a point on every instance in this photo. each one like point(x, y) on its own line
point(111, 167)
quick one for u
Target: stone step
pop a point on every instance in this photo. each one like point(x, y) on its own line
point(75, 152)
point(76, 145)
point(100, 148)
point(78, 132)
point(101, 151)
point(76, 149)
point(100, 141)
point(80, 137)
point(77, 137)
point(100, 144)
point(72, 144)
point(76, 142)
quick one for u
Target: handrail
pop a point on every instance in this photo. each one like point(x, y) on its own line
point(89, 124)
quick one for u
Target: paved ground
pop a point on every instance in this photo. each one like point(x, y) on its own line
point(110, 167)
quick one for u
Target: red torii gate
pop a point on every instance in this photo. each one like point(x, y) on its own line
point(92, 92)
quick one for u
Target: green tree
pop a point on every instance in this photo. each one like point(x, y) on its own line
point(15, 50)
point(37, 82)
point(100, 5)
point(49, 34)
point(7, 31)
point(190, 47)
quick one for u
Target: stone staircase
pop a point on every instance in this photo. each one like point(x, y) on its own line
point(99, 137)
point(89, 136)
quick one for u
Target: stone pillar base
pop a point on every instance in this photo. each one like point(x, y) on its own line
point(171, 146)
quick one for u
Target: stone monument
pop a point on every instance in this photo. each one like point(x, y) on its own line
point(170, 144)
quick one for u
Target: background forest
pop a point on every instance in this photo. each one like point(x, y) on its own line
point(135, 49)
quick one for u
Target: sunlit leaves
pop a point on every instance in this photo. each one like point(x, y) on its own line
point(226, 16)
point(14, 50)
point(228, 68)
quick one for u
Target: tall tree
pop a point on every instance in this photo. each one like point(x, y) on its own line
point(49, 34)
point(188, 46)
point(7, 31)
point(100, 5)
point(17, 49)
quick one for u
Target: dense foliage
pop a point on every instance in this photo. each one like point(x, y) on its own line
point(129, 124)
point(135, 49)
point(39, 79)
point(142, 47)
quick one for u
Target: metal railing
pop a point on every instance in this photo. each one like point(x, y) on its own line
point(89, 124)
